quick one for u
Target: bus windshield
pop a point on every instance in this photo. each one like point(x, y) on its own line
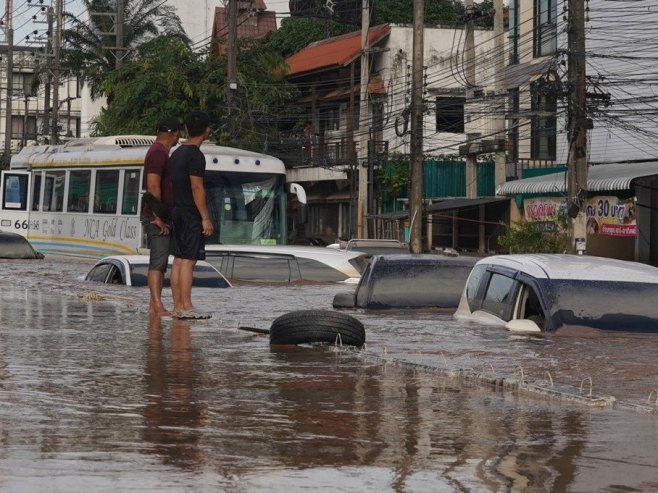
point(246, 208)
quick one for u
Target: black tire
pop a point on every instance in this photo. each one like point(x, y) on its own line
point(312, 326)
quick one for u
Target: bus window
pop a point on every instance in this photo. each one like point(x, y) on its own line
point(53, 197)
point(130, 192)
point(107, 188)
point(15, 187)
point(79, 182)
point(36, 191)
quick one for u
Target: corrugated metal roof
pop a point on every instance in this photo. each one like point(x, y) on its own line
point(600, 178)
point(333, 52)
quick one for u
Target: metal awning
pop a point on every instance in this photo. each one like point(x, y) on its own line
point(600, 178)
point(445, 204)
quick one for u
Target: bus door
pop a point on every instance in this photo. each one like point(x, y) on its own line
point(14, 201)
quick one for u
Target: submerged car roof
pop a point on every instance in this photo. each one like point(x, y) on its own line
point(304, 251)
point(423, 258)
point(576, 267)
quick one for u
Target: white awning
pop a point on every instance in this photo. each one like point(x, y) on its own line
point(600, 178)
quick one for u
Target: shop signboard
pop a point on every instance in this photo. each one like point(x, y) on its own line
point(608, 215)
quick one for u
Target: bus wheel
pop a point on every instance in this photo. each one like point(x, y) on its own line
point(317, 326)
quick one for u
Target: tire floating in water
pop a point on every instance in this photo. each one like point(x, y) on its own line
point(317, 326)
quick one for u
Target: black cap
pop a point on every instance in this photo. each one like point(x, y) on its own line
point(169, 124)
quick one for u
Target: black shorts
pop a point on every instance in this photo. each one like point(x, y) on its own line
point(187, 240)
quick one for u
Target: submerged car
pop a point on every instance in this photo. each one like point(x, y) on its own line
point(15, 246)
point(132, 270)
point(376, 246)
point(285, 263)
point(409, 281)
point(559, 293)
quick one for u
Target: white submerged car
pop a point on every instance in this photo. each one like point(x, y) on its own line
point(286, 263)
point(561, 293)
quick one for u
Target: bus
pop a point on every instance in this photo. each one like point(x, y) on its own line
point(85, 197)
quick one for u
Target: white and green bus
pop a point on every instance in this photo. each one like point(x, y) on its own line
point(85, 197)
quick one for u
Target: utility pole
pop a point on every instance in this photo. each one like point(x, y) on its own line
point(469, 72)
point(54, 130)
point(232, 53)
point(47, 111)
point(9, 35)
point(416, 171)
point(500, 173)
point(364, 125)
point(118, 29)
point(577, 125)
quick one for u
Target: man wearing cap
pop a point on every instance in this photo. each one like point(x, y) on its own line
point(157, 183)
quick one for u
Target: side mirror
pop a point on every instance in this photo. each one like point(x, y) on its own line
point(523, 326)
point(298, 190)
point(344, 300)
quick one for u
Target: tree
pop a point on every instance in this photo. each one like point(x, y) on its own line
point(164, 77)
point(91, 47)
point(296, 33)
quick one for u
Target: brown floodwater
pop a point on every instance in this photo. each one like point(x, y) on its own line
point(95, 396)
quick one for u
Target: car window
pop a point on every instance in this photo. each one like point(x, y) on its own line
point(265, 269)
point(312, 270)
point(475, 280)
point(499, 298)
point(207, 277)
point(139, 274)
point(98, 273)
point(15, 246)
point(361, 292)
point(115, 276)
point(530, 307)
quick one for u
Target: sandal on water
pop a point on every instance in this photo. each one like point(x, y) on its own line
point(191, 315)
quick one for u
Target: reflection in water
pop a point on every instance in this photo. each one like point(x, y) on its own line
point(174, 411)
point(97, 397)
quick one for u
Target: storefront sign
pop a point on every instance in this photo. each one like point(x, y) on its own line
point(611, 216)
point(543, 211)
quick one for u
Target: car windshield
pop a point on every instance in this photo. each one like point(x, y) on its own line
point(611, 305)
point(15, 247)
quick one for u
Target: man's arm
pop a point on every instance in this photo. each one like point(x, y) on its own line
point(153, 187)
point(199, 195)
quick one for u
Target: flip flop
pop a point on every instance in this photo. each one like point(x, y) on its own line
point(191, 315)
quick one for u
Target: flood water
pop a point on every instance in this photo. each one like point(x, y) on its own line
point(95, 396)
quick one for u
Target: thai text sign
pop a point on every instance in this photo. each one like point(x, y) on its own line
point(611, 216)
point(542, 208)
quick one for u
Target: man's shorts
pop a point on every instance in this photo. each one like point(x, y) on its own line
point(159, 246)
point(187, 240)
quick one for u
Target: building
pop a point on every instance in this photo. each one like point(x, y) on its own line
point(621, 153)
point(322, 150)
point(31, 116)
point(254, 21)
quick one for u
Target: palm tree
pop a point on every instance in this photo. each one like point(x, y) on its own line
point(91, 47)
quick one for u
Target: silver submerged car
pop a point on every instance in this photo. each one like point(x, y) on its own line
point(285, 263)
point(132, 270)
point(561, 293)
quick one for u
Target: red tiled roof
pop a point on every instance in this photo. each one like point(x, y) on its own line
point(333, 52)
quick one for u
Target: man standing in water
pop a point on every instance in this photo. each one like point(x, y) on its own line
point(190, 217)
point(157, 183)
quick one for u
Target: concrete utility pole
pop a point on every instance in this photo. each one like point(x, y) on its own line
point(232, 52)
point(59, 18)
point(364, 125)
point(47, 111)
point(9, 34)
point(577, 160)
point(120, 21)
point(469, 73)
point(416, 171)
point(500, 174)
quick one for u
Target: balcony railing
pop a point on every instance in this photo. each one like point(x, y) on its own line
point(296, 152)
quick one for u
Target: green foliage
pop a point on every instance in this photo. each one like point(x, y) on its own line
point(296, 33)
point(89, 47)
point(437, 12)
point(393, 178)
point(528, 237)
point(166, 78)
